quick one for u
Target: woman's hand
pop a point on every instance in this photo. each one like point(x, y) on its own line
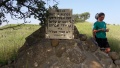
point(107, 30)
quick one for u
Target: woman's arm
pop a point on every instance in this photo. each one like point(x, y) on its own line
point(95, 31)
point(98, 30)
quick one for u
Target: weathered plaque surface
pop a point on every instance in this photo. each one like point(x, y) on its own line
point(60, 24)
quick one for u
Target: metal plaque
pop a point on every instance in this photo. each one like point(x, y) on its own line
point(60, 24)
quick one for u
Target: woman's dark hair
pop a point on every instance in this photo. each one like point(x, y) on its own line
point(99, 15)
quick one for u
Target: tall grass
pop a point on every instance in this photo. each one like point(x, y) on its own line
point(13, 38)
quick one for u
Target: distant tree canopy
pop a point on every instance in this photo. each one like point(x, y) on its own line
point(81, 17)
point(35, 8)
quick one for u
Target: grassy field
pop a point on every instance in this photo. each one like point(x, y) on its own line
point(12, 39)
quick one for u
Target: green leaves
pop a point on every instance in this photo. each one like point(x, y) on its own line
point(81, 17)
point(35, 8)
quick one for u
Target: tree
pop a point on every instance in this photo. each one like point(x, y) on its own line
point(81, 17)
point(84, 16)
point(35, 8)
point(76, 17)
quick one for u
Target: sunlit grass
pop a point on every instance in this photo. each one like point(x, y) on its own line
point(12, 39)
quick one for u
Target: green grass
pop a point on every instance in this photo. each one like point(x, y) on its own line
point(11, 39)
